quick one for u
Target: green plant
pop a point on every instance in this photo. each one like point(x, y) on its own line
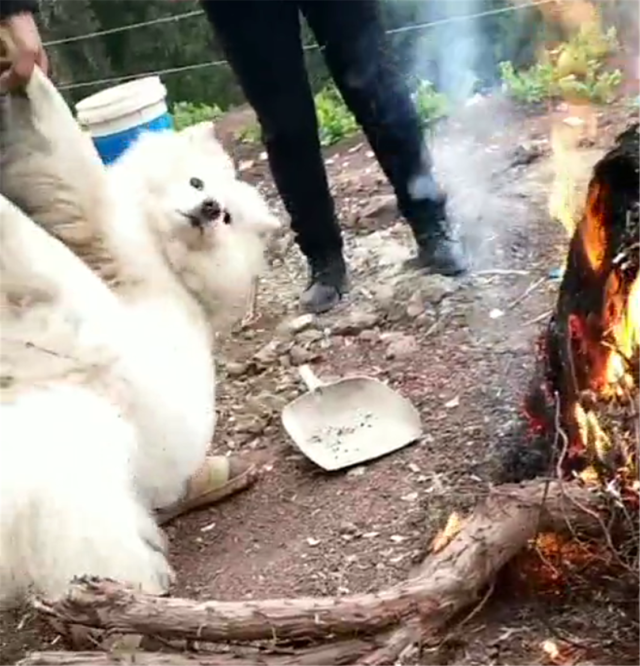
point(188, 113)
point(249, 134)
point(335, 121)
point(576, 71)
point(530, 85)
point(431, 104)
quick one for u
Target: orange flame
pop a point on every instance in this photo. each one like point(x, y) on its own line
point(626, 334)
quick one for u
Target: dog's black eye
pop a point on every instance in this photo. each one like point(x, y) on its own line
point(226, 218)
point(197, 183)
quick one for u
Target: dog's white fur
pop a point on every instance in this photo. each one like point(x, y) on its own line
point(108, 390)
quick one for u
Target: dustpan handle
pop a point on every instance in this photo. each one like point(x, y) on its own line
point(309, 377)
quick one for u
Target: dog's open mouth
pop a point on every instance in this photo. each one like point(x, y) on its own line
point(207, 213)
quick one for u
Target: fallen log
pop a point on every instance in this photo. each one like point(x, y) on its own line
point(68, 658)
point(446, 582)
point(345, 652)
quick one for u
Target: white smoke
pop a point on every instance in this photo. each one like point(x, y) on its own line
point(451, 54)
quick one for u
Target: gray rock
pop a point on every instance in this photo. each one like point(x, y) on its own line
point(270, 353)
point(309, 336)
point(384, 295)
point(236, 368)
point(381, 208)
point(415, 306)
point(348, 528)
point(355, 322)
point(369, 336)
point(299, 355)
point(434, 288)
point(298, 324)
point(250, 424)
point(401, 345)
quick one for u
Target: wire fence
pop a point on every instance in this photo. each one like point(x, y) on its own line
point(223, 63)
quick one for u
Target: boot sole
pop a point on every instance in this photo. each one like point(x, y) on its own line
point(430, 269)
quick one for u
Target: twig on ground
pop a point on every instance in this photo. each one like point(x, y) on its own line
point(541, 317)
point(565, 440)
point(527, 292)
point(501, 271)
point(436, 324)
point(474, 611)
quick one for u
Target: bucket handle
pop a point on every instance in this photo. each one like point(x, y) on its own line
point(309, 377)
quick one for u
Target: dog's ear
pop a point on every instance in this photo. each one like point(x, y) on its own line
point(203, 135)
point(203, 138)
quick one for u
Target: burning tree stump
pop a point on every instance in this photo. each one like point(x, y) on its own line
point(583, 400)
point(585, 390)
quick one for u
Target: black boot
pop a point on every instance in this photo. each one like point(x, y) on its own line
point(440, 254)
point(438, 251)
point(327, 284)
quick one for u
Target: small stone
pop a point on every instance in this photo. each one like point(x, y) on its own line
point(369, 336)
point(309, 336)
point(397, 559)
point(298, 324)
point(207, 528)
point(384, 295)
point(415, 306)
point(402, 346)
point(357, 471)
point(313, 542)
point(250, 424)
point(269, 354)
point(355, 322)
point(285, 361)
point(433, 288)
point(381, 208)
point(348, 528)
point(454, 402)
point(236, 369)
point(299, 355)
point(410, 497)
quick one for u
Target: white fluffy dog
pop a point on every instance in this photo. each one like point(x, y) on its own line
point(108, 387)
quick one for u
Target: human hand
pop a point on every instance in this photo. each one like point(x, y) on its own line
point(24, 33)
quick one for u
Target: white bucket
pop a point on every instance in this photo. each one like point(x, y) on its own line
point(114, 117)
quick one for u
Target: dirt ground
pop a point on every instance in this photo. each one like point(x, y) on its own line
point(461, 350)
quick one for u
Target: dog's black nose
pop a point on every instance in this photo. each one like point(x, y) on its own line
point(210, 209)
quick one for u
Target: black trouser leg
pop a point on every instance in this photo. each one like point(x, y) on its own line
point(358, 57)
point(261, 40)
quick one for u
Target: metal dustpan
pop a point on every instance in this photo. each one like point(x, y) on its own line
point(349, 421)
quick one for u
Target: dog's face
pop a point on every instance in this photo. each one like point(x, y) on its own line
point(193, 200)
point(212, 228)
point(203, 205)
